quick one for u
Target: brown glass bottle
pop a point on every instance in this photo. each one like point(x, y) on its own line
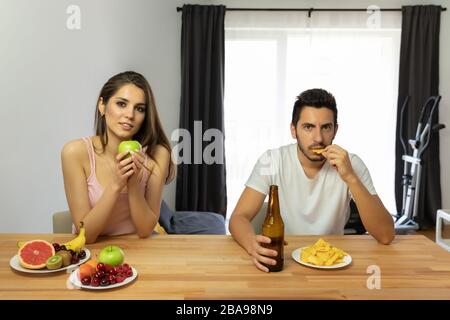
point(273, 227)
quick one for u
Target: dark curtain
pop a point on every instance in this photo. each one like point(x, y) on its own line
point(201, 186)
point(419, 79)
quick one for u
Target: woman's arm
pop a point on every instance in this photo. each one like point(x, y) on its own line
point(145, 208)
point(76, 189)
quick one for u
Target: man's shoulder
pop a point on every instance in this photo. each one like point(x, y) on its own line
point(356, 161)
point(281, 152)
point(276, 159)
point(354, 157)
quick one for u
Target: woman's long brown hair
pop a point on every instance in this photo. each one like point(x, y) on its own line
point(151, 132)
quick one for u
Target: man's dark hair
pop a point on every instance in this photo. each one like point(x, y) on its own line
point(317, 98)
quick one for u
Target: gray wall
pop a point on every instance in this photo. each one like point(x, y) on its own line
point(50, 78)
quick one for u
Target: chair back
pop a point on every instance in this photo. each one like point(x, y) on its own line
point(62, 222)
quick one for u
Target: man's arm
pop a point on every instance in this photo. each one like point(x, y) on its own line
point(376, 219)
point(242, 231)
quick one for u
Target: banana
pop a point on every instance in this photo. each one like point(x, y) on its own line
point(77, 243)
point(20, 244)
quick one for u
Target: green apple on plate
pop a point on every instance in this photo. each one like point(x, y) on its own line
point(111, 255)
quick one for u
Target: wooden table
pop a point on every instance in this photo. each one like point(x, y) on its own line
point(215, 267)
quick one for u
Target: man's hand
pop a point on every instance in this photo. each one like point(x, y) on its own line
point(261, 255)
point(338, 157)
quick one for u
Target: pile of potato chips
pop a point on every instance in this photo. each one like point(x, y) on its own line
point(322, 254)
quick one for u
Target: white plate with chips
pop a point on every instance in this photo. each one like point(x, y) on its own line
point(296, 254)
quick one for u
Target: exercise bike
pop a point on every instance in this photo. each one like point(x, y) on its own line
point(406, 219)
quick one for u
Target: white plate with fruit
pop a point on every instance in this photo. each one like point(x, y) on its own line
point(37, 257)
point(108, 272)
point(40, 256)
point(104, 277)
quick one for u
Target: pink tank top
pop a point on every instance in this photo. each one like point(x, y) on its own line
point(120, 220)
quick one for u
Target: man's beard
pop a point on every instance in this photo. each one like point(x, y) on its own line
point(318, 157)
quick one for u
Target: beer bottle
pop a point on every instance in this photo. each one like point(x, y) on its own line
point(273, 227)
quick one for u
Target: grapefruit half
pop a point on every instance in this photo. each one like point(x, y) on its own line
point(34, 254)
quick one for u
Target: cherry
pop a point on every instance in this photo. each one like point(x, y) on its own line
point(111, 279)
point(114, 271)
point(129, 273)
point(95, 282)
point(101, 267)
point(100, 274)
point(74, 260)
point(81, 255)
point(104, 282)
point(62, 247)
point(108, 268)
point(119, 278)
point(86, 280)
point(56, 246)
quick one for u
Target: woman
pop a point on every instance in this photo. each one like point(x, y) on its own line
point(115, 193)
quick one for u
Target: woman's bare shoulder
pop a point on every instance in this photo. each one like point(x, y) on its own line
point(161, 152)
point(160, 156)
point(159, 159)
point(74, 149)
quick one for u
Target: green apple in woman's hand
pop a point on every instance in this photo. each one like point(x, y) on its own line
point(129, 145)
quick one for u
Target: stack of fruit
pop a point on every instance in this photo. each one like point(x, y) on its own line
point(99, 274)
point(68, 253)
point(64, 257)
point(40, 254)
point(109, 270)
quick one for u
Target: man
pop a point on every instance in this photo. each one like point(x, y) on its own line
point(316, 180)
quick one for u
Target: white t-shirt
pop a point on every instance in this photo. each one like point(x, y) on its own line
point(308, 206)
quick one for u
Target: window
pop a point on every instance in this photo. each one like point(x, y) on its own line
point(271, 57)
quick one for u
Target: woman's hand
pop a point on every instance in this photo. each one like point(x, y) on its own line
point(138, 167)
point(123, 170)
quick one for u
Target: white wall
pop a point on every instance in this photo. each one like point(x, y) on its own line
point(50, 78)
